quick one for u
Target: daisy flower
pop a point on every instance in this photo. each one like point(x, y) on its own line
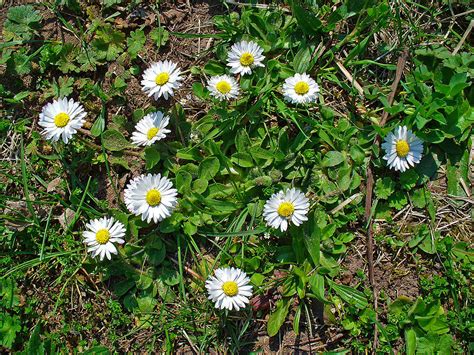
point(101, 235)
point(161, 79)
point(229, 288)
point(244, 56)
point(285, 207)
point(223, 87)
point(151, 128)
point(300, 89)
point(402, 149)
point(151, 196)
point(61, 118)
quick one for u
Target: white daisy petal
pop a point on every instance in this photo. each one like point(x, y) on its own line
point(151, 129)
point(101, 235)
point(151, 196)
point(285, 207)
point(61, 119)
point(223, 87)
point(229, 288)
point(402, 148)
point(300, 89)
point(244, 56)
point(161, 79)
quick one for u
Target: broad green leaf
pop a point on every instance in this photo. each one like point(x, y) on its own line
point(301, 63)
point(308, 22)
point(208, 168)
point(296, 320)
point(152, 157)
point(410, 341)
point(242, 159)
point(122, 287)
point(332, 158)
point(277, 318)
point(316, 282)
point(350, 295)
point(214, 68)
point(183, 181)
point(200, 185)
point(114, 141)
point(98, 126)
point(198, 90)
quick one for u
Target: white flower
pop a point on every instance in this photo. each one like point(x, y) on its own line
point(244, 56)
point(223, 87)
point(285, 207)
point(151, 128)
point(300, 89)
point(161, 79)
point(402, 149)
point(229, 288)
point(151, 196)
point(101, 236)
point(61, 118)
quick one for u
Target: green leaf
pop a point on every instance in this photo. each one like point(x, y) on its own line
point(316, 282)
point(242, 159)
point(35, 347)
point(97, 350)
point(114, 141)
point(98, 126)
point(135, 43)
point(302, 61)
point(9, 326)
point(410, 341)
point(408, 179)
point(418, 198)
point(350, 295)
point(122, 287)
point(200, 185)
point(277, 318)
point(63, 87)
point(183, 181)
point(214, 68)
point(20, 63)
point(209, 168)
point(308, 22)
point(152, 157)
point(384, 188)
point(21, 22)
point(312, 239)
point(457, 84)
point(109, 43)
point(198, 90)
point(160, 36)
point(332, 158)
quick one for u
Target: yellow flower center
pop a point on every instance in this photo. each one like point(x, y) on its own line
point(230, 288)
point(246, 59)
point(153, 131)
point(61, 119)
point(102, 236)
point(402, 147)
point(286, 209)
point(153, 197)
point(162, 78)
point(301, 87)
point(223, 87)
